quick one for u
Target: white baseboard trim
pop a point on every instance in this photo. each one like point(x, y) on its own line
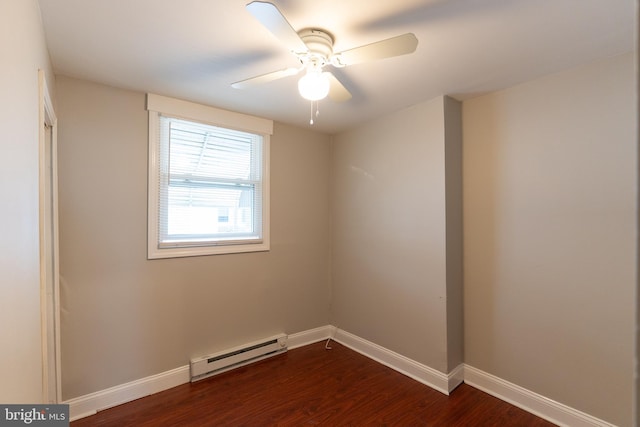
point(311, 336)
point(534, 403)
point(89, 404)
point(456, 377)
point(435, 379)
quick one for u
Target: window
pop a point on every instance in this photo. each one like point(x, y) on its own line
point(208, 180)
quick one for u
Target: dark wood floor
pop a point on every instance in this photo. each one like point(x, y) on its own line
point(314, 386)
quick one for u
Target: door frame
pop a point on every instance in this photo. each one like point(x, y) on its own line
point(51, 393)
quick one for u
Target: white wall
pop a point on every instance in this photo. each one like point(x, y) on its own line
point(389, 235)
point(23, 52)
point(550, 173)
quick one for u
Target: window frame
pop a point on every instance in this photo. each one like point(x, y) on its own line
point(160, 105)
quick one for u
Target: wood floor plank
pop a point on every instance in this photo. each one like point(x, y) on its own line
point(314, 386)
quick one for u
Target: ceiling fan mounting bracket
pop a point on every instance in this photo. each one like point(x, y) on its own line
point(320, 45)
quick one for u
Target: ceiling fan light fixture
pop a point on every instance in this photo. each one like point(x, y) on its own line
point(314, 85)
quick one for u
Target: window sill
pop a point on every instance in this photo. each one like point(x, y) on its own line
point(157, 253)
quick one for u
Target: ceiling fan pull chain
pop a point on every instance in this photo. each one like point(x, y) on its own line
point(311, 111)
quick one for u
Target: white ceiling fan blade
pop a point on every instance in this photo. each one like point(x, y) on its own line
point(337, 92)
point(269, 16)
point(265, 78)
point(395, 46)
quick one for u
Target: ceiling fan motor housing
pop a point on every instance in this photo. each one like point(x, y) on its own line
point(320, 45)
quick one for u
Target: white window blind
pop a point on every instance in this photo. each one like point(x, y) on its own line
point(210, 185)
point(208, 188)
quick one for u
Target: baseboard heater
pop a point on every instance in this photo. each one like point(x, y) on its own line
point(206, 366)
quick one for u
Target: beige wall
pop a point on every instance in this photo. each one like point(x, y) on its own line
point(550, 173)
point(389, 220)
point(23, 53)
point(549, 182)
point(124, 317)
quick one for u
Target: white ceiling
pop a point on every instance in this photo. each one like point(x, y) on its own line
point(195, 49)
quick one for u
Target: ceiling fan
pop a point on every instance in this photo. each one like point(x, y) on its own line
point(314, 49)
